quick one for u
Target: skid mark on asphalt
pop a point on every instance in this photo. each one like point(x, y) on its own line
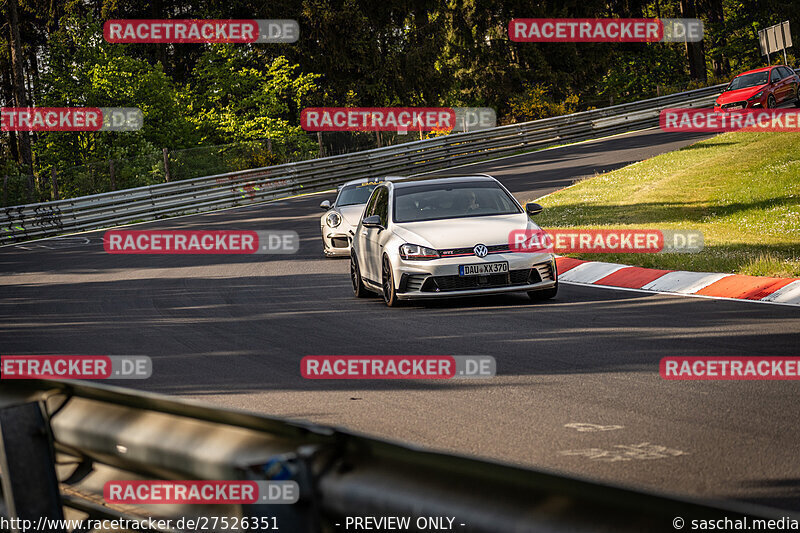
point(585, 427)
point(626, 452)
point(59, 243)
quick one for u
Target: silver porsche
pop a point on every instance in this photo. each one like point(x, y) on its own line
point(339, 222)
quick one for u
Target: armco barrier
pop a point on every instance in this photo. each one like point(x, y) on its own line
point(95, 433)
point(23, 222)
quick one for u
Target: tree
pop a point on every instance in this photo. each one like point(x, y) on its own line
point(234, 95)
point(18, 84)
point(694, 51)
point(89, 72)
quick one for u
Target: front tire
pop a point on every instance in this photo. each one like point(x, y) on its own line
point(545, 294)
point(359, 290)
point(389, 292)
point(771, 102)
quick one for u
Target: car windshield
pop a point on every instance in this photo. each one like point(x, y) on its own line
point(748, 80)
point(451, 200)
point(356, 194)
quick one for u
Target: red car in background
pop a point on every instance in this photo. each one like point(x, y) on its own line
point(760, 88)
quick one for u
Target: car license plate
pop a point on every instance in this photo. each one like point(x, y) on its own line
point(734, 108)
point(483, 269)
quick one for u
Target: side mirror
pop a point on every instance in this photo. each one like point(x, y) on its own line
point(533, 208)
point(373, 221)
point(326, 204)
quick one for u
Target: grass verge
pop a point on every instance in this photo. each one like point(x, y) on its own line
point(742, 190)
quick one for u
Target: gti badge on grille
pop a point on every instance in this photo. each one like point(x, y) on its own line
point(480, 250)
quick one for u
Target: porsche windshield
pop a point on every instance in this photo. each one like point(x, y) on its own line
point(356, 194)
point(440, 201)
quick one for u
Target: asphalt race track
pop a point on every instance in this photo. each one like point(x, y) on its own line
point(232, 329)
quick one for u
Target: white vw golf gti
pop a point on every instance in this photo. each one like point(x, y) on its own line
point(442, 237)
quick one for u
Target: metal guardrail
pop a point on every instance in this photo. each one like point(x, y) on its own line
point(91, 433)
point(24, 222)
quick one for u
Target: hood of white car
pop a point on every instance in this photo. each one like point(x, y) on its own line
point(463, 232)
point(351, 213)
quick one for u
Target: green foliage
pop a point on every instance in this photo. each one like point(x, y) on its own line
point(741, 189)
point(536, 102)
point(235, 96)
point(350, 53)
point(648, 70)
point(93, 73)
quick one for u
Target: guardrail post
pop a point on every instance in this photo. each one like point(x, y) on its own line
point(303, 515)
point(112, 175)
point(27, 463)
point(54, 183)
point(319, 141)
point(31, 187)
point(166, 164)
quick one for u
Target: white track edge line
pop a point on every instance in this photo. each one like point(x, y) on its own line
point(678, 294)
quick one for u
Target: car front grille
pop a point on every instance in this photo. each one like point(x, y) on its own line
point(494, 249)
point(734, 104)
point(461, 283)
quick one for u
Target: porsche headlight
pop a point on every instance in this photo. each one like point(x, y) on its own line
point(333, 219)
point(417, 252)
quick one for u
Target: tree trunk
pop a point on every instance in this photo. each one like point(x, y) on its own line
point(694, 51)
point(53, 16)
point(8, 101)
point(716, 17)
point(19, 89)
point(157, 12)
point(34, 78)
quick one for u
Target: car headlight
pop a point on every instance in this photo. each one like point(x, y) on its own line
point(415, 251)
point(333, 219)
point(756, 96)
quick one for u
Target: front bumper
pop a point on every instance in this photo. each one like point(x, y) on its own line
point(476, 292)
point(746, 104)
point(336, 243)
point(440, 278)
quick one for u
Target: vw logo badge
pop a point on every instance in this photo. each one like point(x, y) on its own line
point(481, 250)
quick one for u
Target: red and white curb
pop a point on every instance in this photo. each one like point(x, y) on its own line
point(753, 288)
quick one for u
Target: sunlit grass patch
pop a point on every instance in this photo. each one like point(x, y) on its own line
point(742, 190)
